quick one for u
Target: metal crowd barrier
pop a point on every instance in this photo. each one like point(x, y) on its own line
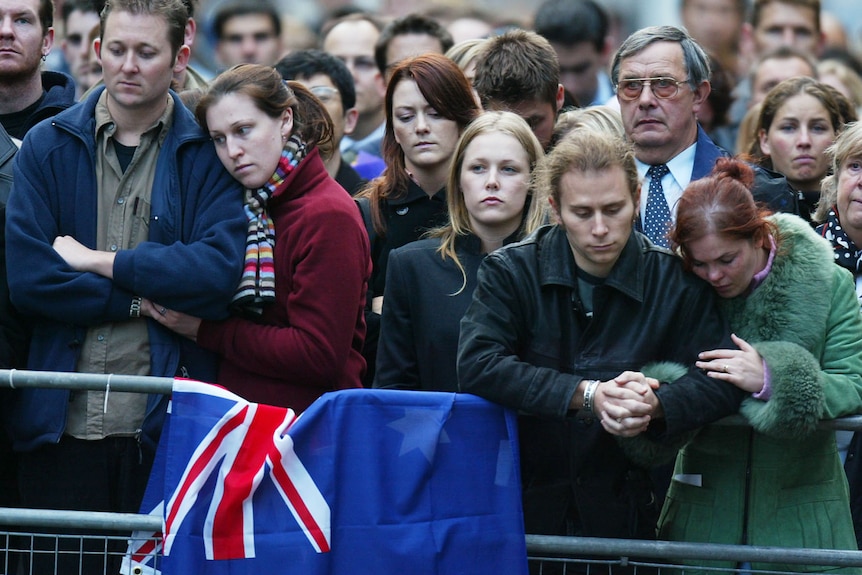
point(592, 555)
point(41, 541)
point(25, 534)
point(33, 536)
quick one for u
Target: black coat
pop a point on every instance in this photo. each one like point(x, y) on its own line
point(407, 218)
point(426, 296)
point(349, 179)
point(526, 344)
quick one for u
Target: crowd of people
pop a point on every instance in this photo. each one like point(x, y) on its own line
point(624, 243)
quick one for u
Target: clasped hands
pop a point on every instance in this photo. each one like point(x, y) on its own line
point(627, 403)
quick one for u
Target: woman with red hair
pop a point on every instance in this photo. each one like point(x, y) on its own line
point(778, 481)
point(428, 104)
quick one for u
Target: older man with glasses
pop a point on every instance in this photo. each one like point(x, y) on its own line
point(661, 77)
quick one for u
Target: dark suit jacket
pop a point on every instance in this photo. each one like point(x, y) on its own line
point(770, 187)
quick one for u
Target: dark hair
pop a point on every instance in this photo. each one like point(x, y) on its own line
point(721, 94)
point(272, 96)
point(307, 63)
point(517, 66)
point(571, 22)
point(784, 53)
point(759, 5)
point(444, 86)
point(722, 204)
point(85, 6)
point(46, 15)
point(190, 7)
point(410, 24)
point(779, 95)
point(173, 11)
point(846, 110)
point(245, 8)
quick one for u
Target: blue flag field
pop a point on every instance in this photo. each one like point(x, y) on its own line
point(364, 481)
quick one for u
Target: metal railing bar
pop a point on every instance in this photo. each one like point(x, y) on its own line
point(62, 519)
point(674, 550)
point(21, 378)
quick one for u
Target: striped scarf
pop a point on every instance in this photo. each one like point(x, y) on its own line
point(257, 285)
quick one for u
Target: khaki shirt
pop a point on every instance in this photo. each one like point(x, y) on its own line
point(122, 223)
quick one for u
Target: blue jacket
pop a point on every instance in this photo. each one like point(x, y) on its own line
point(59, 94)
point(191, 262)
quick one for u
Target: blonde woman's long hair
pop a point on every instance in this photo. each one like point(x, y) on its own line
point(534, 214)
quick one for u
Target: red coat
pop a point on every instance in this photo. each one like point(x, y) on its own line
point(310, 340)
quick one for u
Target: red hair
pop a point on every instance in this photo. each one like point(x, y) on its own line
point(722, 204)
point(444, 86)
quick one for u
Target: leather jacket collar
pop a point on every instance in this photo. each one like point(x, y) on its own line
point(557, 264)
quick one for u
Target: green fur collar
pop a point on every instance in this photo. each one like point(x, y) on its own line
point(782, 308)
point(786, 319)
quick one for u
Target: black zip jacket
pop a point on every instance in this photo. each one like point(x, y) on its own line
point(526, 344)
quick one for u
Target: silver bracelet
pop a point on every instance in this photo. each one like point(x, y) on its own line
point(135, 307)
point(589, 393)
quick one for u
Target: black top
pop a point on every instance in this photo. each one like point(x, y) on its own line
point(349, 179)
point(407, 218)
point(17, 123)
point(425, 298)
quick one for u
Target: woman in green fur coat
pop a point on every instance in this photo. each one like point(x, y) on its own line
point(796, 321)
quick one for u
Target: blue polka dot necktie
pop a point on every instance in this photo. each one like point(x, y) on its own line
point(657, 218)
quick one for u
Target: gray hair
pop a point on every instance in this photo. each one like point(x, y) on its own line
point(847, 145)
point(695, 59)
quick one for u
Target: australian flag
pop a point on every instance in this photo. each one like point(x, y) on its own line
point(364, 481)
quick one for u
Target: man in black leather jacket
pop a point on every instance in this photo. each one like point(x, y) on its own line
point(579, 308)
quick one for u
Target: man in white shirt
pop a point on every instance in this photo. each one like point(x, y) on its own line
point(661, 76)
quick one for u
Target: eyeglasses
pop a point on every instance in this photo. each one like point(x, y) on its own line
point(324, 93)
point(662, 88)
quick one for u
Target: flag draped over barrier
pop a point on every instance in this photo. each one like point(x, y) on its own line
point(364, 481)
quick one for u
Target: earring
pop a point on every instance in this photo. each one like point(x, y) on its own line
point(44, 57)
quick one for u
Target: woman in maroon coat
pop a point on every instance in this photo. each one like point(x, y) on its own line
point(298, 325)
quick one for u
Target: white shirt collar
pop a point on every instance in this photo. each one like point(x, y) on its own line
point(673, 184)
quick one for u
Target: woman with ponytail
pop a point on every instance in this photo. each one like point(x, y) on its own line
point(298, 327)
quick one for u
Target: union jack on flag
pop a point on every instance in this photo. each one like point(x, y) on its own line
point(248, 444)
point(365, 481)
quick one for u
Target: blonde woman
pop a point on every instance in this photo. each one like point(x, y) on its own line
point(465, 54)
point(842, 226)
point(601, 118)
point(430, 282)
point(841, 77)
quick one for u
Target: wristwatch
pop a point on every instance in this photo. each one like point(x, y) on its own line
point(135, 308)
